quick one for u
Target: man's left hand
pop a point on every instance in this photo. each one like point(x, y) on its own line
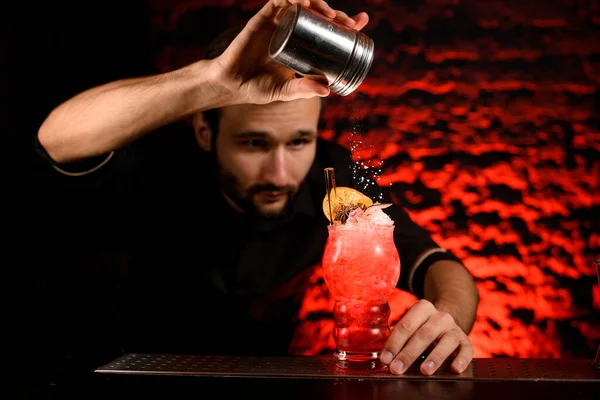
point(425, 327)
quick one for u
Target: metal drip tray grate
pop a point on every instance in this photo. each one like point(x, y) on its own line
point(324, 367)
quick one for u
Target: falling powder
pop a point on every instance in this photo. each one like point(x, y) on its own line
point(364, 175)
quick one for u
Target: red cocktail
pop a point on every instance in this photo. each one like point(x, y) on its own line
point(361, 267)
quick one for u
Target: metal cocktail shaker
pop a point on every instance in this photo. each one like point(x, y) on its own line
point(320, 48)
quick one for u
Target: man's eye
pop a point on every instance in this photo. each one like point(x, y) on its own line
point(298, 142)
point(256, 143)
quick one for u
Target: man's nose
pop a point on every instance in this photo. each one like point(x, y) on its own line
point(275, 170)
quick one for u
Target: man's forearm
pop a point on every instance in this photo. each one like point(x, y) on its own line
point(451, 288)
point(110, 116)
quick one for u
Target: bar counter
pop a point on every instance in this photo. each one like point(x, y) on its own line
point(194, 376)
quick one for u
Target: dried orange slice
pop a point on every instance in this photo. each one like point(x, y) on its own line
point(343, 200)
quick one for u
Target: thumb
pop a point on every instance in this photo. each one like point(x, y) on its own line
point(304, 88)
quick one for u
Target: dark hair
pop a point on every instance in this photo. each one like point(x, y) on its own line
point(213, 50)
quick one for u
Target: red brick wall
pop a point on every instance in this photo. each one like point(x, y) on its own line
point(483, 116)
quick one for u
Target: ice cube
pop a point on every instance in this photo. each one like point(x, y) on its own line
point(355, 216)
point(375, 214)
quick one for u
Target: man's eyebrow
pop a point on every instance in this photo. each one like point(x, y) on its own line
point(307, 134)
point(251, 135)
point(265, 135)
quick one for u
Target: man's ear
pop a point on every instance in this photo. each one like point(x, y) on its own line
point(202, 131)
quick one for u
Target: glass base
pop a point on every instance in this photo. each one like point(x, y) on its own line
point(358, 361)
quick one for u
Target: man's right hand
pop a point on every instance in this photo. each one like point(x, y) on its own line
point(251, 76)
point(105, 118)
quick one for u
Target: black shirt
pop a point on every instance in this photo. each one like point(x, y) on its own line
point(201, 277)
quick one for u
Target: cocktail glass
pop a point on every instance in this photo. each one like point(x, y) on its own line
point(361, 267)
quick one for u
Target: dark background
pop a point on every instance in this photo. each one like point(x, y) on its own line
point(483, 116)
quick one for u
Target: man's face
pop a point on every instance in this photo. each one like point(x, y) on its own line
point(264, 152)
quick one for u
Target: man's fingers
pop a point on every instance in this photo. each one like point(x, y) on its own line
point(322, 7)
point(343, 18)
point(424, 327)
point(361, 20)
point(463, 358)
point(318, 5)
point(417, 344)
point(446, 345)
point(268, 16)
point(274, 7)
point(414, 318)
point(304, 88)
point(286, 3)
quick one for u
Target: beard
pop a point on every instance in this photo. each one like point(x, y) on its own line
point(233, 188)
